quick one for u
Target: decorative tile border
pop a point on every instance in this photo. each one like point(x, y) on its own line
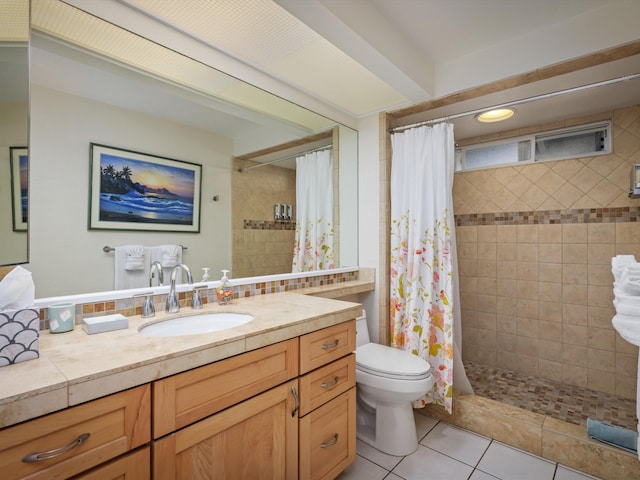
point(578, 215)
point(269, 225)
point(133, 306)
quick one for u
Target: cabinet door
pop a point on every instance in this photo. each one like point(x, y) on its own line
point(257, 438)
point(187, 397)
point(134, 466)
point(328, 438)
point(71, 441)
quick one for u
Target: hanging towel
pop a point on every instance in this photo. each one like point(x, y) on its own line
point(131, 267)
point(135, 257)
point(171, 255)
point(168, 256)
point(612, 435)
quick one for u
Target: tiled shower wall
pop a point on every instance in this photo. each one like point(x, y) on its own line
point(262, 245)
point(534, 246)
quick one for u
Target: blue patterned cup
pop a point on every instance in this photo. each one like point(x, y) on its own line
point(61, 317)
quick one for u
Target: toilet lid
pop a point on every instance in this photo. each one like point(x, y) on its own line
point(391, 362)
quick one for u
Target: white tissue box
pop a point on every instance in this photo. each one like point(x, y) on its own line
point(19, 335)
point(106, 323)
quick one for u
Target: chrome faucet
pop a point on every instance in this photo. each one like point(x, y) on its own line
point(173, 305)
point(156, 267)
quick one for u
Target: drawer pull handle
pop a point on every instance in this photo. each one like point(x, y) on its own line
point(56, 452)
point(327, 346)
point(297, 405)
point(331, 442)
point(331, 384)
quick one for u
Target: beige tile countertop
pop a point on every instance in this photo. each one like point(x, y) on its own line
point(75, 367)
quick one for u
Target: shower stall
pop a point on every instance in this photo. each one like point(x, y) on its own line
point(535, 244)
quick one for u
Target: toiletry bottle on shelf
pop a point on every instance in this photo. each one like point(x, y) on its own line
point(205, 274)
point(224, 292)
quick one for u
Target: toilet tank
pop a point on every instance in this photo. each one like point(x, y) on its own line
point(362, 331)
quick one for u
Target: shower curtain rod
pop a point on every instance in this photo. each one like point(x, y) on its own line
point(242, 170)
point(517, 102)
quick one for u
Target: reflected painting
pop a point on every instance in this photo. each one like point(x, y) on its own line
point(19, 187)
point(138, 191)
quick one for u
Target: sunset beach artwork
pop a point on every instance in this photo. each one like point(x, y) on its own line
point(136, 191)
point(20, 187)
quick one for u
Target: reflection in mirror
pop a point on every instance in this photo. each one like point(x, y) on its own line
point(263, 231)
point(14, 128)
point(93, 82)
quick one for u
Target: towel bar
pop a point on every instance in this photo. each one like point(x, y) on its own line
point(107, 248)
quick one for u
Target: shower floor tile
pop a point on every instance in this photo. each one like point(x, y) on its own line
point(554, 399)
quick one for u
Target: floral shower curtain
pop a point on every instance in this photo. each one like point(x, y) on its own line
point(313, 249)
point(423, 278)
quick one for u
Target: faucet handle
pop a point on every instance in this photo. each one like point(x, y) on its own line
point(148, 308)
point(196, 300)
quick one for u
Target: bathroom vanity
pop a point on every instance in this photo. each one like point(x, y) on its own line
point(274, 398)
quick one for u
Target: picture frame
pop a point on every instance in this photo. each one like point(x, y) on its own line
point(19, 157)
point(131, 190)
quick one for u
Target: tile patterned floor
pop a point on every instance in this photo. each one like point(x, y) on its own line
point(564, 402)
point(451, 453)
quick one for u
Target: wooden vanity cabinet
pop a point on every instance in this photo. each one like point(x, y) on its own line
point(252, 416)
point(327, 442)
point(284, 411)
point(74, 440)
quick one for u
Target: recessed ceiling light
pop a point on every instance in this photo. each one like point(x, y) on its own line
point(496, 115)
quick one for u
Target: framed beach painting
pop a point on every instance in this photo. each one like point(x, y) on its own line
point(138, 191)
point(19, 187)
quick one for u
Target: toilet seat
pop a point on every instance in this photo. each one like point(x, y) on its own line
point(389, 362)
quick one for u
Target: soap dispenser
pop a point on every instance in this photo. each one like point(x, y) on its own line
point(205, 274)
point(224, 292)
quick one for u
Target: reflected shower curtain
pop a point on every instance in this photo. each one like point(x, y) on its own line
point(424, 292)
point(313, 249)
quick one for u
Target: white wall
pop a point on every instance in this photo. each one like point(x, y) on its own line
point(368, 212)
point(13, 133)
point(66, 257)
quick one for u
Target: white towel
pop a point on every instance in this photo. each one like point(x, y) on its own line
point(627, 305)
point(124, 276)
point(171, 255)
point(168, 256)
point(621, 263)
point(135, 257)
point(629, 283)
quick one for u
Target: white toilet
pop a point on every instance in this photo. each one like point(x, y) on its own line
point(388, 380)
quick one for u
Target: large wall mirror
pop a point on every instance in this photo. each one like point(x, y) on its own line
point(94, 82)
point(14, 130)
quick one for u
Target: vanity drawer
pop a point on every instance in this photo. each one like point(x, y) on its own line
point(328, 438)
point(326, 345)
point(325, 383)
point(187, 397)
point(114, 424)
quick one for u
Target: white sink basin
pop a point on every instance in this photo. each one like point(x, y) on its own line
point(195, 324)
